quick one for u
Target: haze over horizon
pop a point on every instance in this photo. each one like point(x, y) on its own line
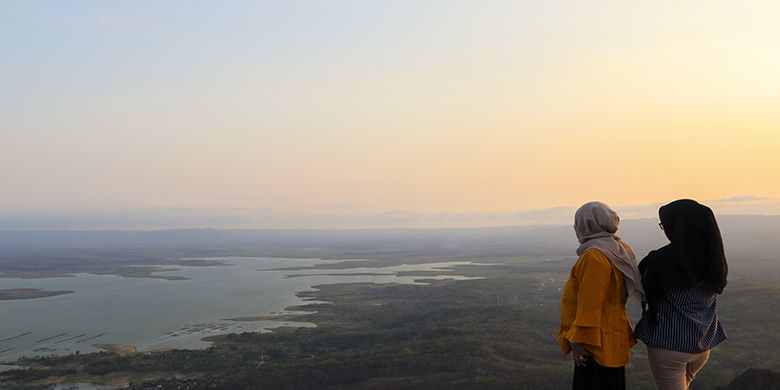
point(382, 114)
point(182, 218)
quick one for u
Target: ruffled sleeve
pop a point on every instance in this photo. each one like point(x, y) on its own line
point(593, 274)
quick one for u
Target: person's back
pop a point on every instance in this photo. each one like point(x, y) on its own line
point(600, 313)
point(682, 280)
point(686, 320)
point(594, 325)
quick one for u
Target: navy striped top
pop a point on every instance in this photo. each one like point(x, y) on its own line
point(686, 321)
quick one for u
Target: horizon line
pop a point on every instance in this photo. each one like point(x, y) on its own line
point(325, 229)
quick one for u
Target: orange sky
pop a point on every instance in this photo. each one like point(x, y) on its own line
point(371, 108)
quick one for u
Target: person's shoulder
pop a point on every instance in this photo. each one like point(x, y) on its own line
point(653, 256)
point(658, 253)
point(594, 255)
point(593, 262)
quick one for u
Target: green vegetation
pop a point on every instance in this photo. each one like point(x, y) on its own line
point(497, 332)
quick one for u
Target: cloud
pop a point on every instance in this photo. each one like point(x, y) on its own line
point(747, 204)
point(744, 198)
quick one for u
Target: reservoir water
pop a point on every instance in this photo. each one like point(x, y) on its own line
point(155, 313)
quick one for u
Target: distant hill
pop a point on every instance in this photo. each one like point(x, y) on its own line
point(751, 236)
point(751, 244)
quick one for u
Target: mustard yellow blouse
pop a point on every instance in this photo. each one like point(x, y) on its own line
point(593, 310)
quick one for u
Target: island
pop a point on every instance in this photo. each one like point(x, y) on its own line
point(29, 293)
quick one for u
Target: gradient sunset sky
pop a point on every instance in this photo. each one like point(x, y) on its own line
point(335, 108)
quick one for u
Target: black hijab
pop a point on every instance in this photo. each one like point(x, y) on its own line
point(694, 255)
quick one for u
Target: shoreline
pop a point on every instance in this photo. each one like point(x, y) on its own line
point(29, 293)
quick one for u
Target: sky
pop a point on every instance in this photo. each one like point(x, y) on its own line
point(383, 113)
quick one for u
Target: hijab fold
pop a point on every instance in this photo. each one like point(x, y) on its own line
point(596, 224)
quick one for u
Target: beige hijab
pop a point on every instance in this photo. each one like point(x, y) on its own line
point(595, 224)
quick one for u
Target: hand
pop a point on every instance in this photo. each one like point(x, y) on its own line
point(580, 354)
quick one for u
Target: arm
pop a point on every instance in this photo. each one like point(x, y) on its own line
point(649, 283)
point(593, 274)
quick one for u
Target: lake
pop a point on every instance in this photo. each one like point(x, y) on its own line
point(155, 313)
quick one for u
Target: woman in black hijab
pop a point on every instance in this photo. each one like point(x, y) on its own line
point(682, 280)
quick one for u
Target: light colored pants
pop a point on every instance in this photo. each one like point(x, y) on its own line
point(675, 370)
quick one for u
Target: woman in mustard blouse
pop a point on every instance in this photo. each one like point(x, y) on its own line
point(594, 323)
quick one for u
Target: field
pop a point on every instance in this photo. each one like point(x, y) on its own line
point(494, 332)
